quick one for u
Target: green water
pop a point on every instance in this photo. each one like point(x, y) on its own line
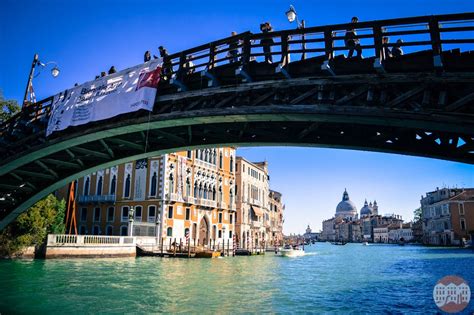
point(332, 279)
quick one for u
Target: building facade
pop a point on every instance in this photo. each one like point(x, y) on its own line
point(448, 216)
point(348, 226)
point(170, 196)
point(253, 203)
point(276, 218)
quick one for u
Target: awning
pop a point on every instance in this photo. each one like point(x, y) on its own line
point(258, 212)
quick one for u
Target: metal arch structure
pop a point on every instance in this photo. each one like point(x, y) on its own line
point(407, 106)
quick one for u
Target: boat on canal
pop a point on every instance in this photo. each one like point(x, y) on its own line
point(292, 251)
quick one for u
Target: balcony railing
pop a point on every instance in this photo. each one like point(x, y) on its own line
point(97, 199)
point(206, 203)
point(221, 205)
point(190, 200)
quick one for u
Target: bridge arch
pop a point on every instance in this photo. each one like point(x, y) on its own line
point(415, 107)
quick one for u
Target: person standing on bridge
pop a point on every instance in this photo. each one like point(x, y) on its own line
point(167, 68)
point(351, 40)
point(397, 49)
point(386, 51)
point(147, 56)
point(267, 42)
point(233, 49)
point(112, 70)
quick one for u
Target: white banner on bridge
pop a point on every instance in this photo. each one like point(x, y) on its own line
point(122, 92)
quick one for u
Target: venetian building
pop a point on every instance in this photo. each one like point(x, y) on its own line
point(275, 234)
point(346, 209)
point(188, 192)
point(253, 214)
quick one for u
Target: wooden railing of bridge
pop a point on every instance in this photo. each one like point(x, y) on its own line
point(435, 34)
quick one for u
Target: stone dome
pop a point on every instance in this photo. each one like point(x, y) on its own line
point(346, 206)
point(366, 210)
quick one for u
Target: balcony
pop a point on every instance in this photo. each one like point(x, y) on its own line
point(189, 200)
point(206, 203)
point(97, 199)
point(173, 197)
point(205, 164)
point(221, 205)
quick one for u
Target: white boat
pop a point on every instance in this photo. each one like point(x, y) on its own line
point(292, 252)
point(365, 243)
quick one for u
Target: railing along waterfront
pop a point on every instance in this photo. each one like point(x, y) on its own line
point(88, 240)
point(425, 34)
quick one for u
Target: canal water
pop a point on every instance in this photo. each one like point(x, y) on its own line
point(332, 279)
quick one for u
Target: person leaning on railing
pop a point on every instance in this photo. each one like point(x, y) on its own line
point(397, 49)
point(351, 40)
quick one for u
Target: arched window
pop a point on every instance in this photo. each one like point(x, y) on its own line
point(186, 232)
point(86, 186)
point(214, 193)
point(231, 198)
point(82, 230)
point(171, 184)
point(200, 191)
point(196, 190)
point(231, 167)
point(153, 185)
point(123, 230)
point(189, 154)
point(207, 155)
point(205, 192)
point(198, 154)
point(110, 230)
point(169, 231)
point(188, 187)
point(214, 156)
point(113, 184)
point(96, 230)
point(126, 193)
point(220, 159)
point(138, 213)
point(99, 186)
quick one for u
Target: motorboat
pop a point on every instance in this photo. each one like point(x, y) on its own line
point(365, 243)
point(292, 251)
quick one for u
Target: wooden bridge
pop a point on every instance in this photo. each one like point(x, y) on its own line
point(421, 103)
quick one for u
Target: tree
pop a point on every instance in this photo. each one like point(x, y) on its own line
point(8, 108)
point(418, 215)
point(32, 227)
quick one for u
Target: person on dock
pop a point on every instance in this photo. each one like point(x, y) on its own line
point(267, 42)
point(351, 40)
point(397, 49)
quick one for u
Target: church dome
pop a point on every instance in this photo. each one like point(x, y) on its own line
point(366, 210)
point(346, 206)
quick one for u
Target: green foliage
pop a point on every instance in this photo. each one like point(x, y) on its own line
point(418, 215)
point(8, 108)
point(32, 227)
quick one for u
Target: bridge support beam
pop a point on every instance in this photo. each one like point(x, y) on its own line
point(242, 73)
point(280, 69)
point(212, 80)
point(326, 67)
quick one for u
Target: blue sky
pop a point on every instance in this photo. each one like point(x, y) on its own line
point(87, 37)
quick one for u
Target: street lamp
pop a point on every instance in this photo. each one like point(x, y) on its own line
point(29, 86)
point(292, 16)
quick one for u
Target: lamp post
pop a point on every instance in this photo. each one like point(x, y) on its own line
point(29, 86)
point(131, 213)
point(292, 16)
